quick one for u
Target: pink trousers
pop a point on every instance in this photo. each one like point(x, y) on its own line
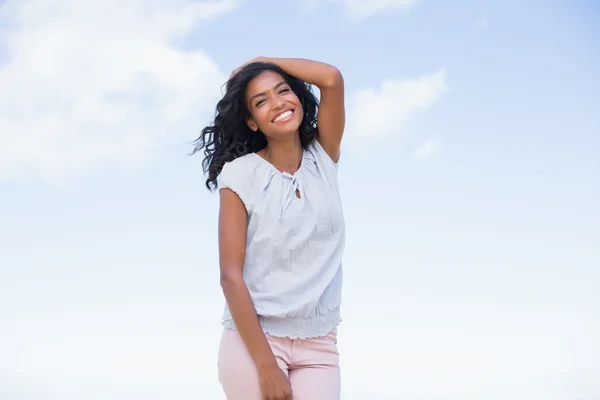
point(312, 366)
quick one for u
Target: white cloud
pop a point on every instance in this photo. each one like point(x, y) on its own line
point(429, 148)
point(377, 114)
point(361, 9)
point(481, 22)
point(89, 85)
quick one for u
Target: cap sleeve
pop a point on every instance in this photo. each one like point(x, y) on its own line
point(233, 176)
point(322, 156)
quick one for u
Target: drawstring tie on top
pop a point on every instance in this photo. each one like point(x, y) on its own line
point(288, 196)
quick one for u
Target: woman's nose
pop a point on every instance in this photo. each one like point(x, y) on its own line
point(279, 102)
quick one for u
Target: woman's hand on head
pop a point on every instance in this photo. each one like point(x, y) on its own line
point(256, 59)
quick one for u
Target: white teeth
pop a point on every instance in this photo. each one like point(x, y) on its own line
point(283, 116)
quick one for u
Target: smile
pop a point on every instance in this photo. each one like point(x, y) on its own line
point(284, 116)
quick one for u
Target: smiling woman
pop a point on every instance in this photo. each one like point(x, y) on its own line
point(250, 92)
point(273, 154)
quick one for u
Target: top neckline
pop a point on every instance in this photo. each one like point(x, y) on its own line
point(268, 163)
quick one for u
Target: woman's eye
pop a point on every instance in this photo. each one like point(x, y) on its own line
point(259, 103)
point(284, 90)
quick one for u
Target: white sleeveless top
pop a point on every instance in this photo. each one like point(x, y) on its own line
point(294, 248)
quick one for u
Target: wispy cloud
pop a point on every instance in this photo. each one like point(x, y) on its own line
point(428, 148)
point(95, 84)
point(375, 114)
point(358, 10)
point(481, 22)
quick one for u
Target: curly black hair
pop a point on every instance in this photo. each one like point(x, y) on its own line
point(229, 137)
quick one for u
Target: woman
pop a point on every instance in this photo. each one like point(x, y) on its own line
point(273, 154)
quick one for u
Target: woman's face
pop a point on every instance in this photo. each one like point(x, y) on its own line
point(275, 109)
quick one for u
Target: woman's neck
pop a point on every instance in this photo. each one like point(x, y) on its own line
point(285, 155)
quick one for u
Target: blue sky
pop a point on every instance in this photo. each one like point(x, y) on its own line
point(470, 176)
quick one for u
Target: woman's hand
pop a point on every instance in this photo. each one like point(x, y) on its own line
point(274, 383)
point(257, 59)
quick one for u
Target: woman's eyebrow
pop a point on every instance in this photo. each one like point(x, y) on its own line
point(265, 93)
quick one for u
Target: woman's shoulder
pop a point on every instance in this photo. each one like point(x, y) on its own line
point(242, 163)
point(243, 175)
point(317, 154)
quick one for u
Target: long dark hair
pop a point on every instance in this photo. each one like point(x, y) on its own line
point(229, 137)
